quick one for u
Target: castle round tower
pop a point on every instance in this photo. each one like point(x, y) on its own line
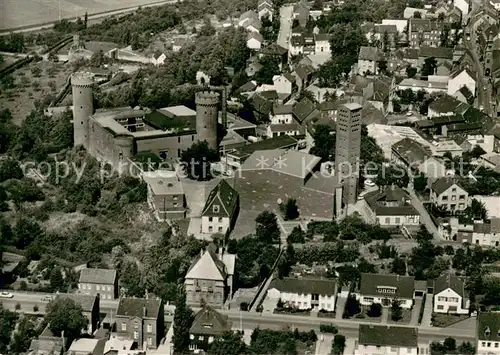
point(207, 111)
point(83, 106)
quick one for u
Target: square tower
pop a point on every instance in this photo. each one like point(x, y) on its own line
point(347, 150)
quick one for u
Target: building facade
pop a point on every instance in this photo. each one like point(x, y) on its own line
point(166, 196)
point(221, 209)
point(488, 333)
point(379, 339)
point(99, 282)
point(450, 295)
point(208, 324)
point(447, 193)
point(383, 289)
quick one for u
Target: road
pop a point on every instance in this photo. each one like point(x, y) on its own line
point(52, 17)
point(484, 89)
point(285, 32)
point(425, 218)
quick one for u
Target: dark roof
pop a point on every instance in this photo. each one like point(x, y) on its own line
point(322, 37)
point(449, 281)
point(98, 276)
point(468, 95)
point(467, 70)
point(225, 197)
point(377, 201)
point(370, 283)
point(286, 127)
point(368, 53)
point(296, 41)
point(436, 52)
point(261, 104)
point(86, 301)
point(444, 104)
point(304, 70)
point(282, 109)
point(305, 286)
point(247, 87)
point(273, 49)
point(442, 184)
point(280, 142)
point(303, 109)
point(386, 28)
point(380, 335)
point(160, 120)
point(210, 322)
point(135, 307)
point(410, 53)
point(488, 326)
point(412, 152)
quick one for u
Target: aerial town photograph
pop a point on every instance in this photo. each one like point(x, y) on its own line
point(254, 177)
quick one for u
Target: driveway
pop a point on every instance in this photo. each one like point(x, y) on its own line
point(324, 344)
point(285, 32)
point(425, 218)
point(426, 319)
point(415, 312)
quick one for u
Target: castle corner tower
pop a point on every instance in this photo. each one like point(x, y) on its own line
point(207, 111)
point(83, 107)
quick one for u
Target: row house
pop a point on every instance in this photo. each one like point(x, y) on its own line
point(424, 32)
point(368, 59)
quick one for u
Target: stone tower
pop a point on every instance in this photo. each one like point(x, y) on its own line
point(347, 150)
point(207, 111)
point(83, 107)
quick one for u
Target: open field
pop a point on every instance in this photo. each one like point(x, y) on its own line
point(21, 13)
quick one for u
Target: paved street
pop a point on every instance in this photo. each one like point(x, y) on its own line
point(286, 13)
point(425, 218)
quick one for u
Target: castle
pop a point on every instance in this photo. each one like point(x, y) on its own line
point(116, 135)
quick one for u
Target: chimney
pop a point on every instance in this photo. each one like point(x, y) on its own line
point(393, 187)
point(144, 311)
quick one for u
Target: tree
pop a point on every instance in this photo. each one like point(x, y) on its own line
point(296, 236)
point(417, 14)
point(183, 318)
point(450, 344)
point(352, 306)
point(375, 310)
point(466, 348)
point(26, 231)
point(197, 159)
point(65, 315)
point(398, 266)
point(324, 142)
point(86, 19)
point(290, 209)
point(56, 279)
point(10, 169)
point(382, 66)
point(228, 344)
point(411, 72)
point(267, 229)
point(392, 175)
point(396, 310)
point(420, 182)
point(270, 68)
point(338, 344)
point(385, 42)
point(429, 67)
point(477, 151)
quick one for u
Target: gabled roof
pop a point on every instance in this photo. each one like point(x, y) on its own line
point(207, 266)
point(210, 322)
point(98, 276)
point(460, 71)
point(442, 184)
point(381, 335)
point(488, 326)
point(305, 286)
point(247, 87)
point(404, 285)
point(304, 70)
point(255, 35)
point(446, 281)
point(386, 28)
point(139, 307)
point(303, 109)
point(223, 196)
point(273, 49)
point(287, 127)
point(411, 151)
point(377, 201)
point(368, 53)
point(436, 52)
point(444, 104)
point(468, 95)
point(282, 109)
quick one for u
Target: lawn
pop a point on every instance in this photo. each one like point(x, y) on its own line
point(405, 320)
point(445, 320)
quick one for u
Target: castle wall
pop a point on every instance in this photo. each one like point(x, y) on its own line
point(172, 145)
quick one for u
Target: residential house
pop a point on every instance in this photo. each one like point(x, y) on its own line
point(409, 12)
point(488, 333)
point(90, 307)
point(141, 320)
point(428, 86)
point(321, 43)
point(254, 40)
point(439, 53)
point(283, 83)
point(304, 293)
point(47, 343)
point(158, 58)
point(401, 25)
point(275, 50)
point(208, 324)
point(263, 103)
point(424, 32)
point(99, 282)
point(301, 12)
point(249, 20)
point(166, 196)
point(304, 111)
point(296, 45)
point(381, 339)
point(450, 295)
point(209, 280)
point(486, 234)
point(303, 75)
point(253, 66)
point(85, 346)
point(265, 8)
point(443, 106)
point(379, 31)
point(447, 193)
point(442, 147)
point(309, 43)
point(282, 114)
point(391, 206)
point(411, 154)
point(382, 289)
point(464, 6)
point(367, 60)
point(290, 129)
point(460, 79)
point(221, 209)
point(118, 345)
point(464, 95)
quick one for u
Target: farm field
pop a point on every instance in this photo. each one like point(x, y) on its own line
point(21, 13)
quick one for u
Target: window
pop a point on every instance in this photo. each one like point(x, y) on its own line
point(210, 219)
point(442, 299)
point(488, 345)
point(136, 334)
point(175, 198)
point(150, 341)
point(398, 220)
point(387, 220)
point(210, 229)
point(150, 328)
point(215, 208)
point(453, 198)
point(175, 204)
point(220, 229)
point(496, 345)
point(98, 287)
point(109, 288)
point(454, 189)
point(462, 197)
point(136, 324)
point(483, 343)
point(201, 337)
point(444, 198)
point(220, 219)
point(179, 139)
point(124, 326)
point(440, 307)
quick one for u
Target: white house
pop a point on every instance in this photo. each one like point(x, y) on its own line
point(296, 45)
point(158, 58)
point(427, 86)
point(488, 333)
point(381, 339)
point(249, 20)
point(321, 43)
point(285, 129)
point(382, 289)
point(282, 114)
point(283, 83)
point(304, 293)
point(463, 6)
point(400, 24)
point(367, 60)
point(220, 209)
point(487, 234)
point(447, 193)
point(461, 78)
point(450, 295)
point(254, 40)
point(409, 12)
point(265, 9)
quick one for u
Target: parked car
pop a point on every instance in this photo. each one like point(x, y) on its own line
point(6, 294)
point(46, 298)
point(369, 183)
